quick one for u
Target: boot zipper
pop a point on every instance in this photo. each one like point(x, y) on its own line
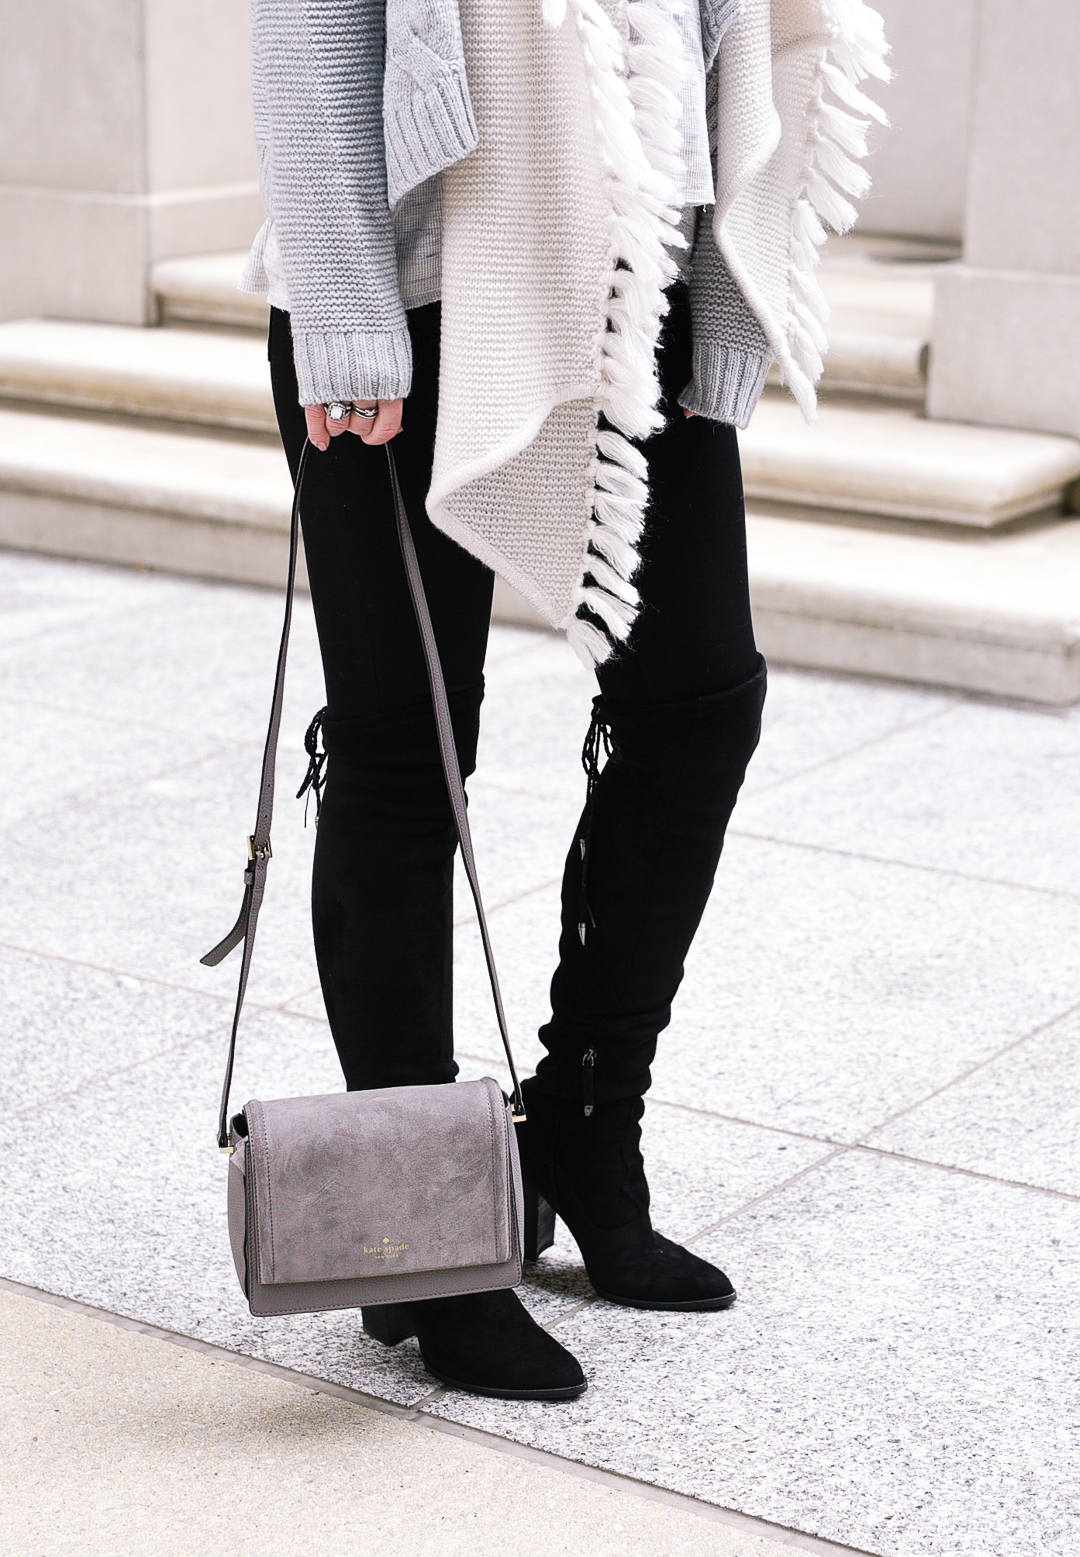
point(588, 1068)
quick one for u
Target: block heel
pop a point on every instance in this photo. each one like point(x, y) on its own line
point(539, 1223)
point(389, 1323)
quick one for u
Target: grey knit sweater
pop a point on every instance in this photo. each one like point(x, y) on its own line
point(359, 106)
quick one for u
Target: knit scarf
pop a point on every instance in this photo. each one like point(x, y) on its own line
point(558, 239)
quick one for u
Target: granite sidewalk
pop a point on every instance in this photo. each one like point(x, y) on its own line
point(864, 1108)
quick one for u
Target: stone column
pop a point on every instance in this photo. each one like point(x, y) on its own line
point(919, 164)
point(1006, 342)
point(125, 136)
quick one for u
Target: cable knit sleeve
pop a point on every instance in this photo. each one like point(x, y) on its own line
point(732, 357)
point(318, 84)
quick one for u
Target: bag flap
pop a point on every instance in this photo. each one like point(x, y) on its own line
point(376, 1183)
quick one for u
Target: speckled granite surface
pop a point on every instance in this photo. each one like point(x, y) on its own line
point(864, 1108)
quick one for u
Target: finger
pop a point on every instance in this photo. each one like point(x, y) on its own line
point(315, 417)
point(688, 414)
point(363, 424)
point(335, 426)
point(386, 425)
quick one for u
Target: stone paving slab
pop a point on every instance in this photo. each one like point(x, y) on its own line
point(1016, 1117)
point(66, 1023)
point(896, 1375)
point(981, 790)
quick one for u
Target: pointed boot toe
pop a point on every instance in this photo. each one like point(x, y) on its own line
point(488, 1344)
point(662, 1276)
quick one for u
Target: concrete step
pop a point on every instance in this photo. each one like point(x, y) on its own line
point(202, 290)
point(863, 458)
point(215, 378)
point(983, 613)
point(871, 459)
point(980, 611)
point(881, 297)
point(184, 503)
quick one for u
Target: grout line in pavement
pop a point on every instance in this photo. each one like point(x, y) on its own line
point(767, 1194)
point(228, 1000)
point(852, 751)
point(753, 1124)
point(416, 1414)
point(776, 783)
point(121, 722)
point(1016, 1043)
point(478, 783)
point(570, 1313)
point(124, 787)
point(432, 1395)
point(965, 1173)
point(104, 1075)
point(497, 908)
point(878, 859)
point(233, 743)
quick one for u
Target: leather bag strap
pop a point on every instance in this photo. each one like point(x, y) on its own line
point(259, 852)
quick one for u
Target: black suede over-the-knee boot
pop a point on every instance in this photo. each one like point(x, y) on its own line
point(636, 882)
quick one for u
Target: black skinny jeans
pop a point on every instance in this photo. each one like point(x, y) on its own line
point(681, 699)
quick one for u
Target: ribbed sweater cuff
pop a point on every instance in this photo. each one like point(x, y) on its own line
point(425, 134)
point(352, 365)
point(727, 383)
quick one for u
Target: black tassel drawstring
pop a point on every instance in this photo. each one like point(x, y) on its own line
point(314, 778)
point(597, 741)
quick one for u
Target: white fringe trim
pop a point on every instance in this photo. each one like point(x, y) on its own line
point(836, 143)
point(635, 93)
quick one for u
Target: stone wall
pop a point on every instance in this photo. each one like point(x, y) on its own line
point(919, 163)
point(125, 136)
point(1007, 330)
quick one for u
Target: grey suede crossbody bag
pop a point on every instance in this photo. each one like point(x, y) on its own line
point(361, 1198)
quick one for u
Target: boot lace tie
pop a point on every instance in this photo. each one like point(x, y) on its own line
point(314, 778)
point(597, 743)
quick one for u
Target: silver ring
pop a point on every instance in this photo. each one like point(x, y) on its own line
point(338, 412)
point(368, 412)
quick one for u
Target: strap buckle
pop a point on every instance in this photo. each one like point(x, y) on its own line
point(265, 853)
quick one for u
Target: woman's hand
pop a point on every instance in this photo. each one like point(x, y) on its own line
point(372, 429)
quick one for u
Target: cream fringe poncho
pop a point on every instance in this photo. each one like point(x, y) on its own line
point(556, 253)
point(550, 134)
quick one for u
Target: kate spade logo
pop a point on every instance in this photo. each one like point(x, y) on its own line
point(385, 1250)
